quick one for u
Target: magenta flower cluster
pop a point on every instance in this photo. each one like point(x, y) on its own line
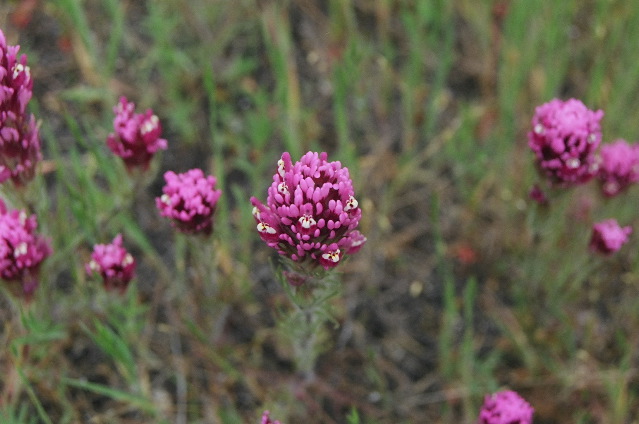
point(505, 407)
point(266, 418)
point(311, 213)
point(113, 263)
point(189, 200)
point(564, 138)
point(21, 249)
point(608, 236)
point(619, 167)
point(137, 136)
point(19, 138)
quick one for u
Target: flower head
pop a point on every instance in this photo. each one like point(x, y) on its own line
point(21, 249)
point(564, 138)
point(266, 419)
point(619, 166)
point(608, 236)
point(137, 136)
point(19, 138)
point(505, 407)
point(311, 213)
point(115, 265)
point(189, 200)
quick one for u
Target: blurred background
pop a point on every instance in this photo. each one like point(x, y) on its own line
point(465, 285)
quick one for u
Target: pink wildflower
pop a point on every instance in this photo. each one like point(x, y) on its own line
point(619, 166)
point(505, 407)
point(189, 199)
point(266, 419)
point(21, 250)
point(538, 195)
point(608, 236)
point(564, 138)
point(137, 136)
point(311, 213)
point(19, 139)
point(115, 265)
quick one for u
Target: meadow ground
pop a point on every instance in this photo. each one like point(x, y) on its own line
point(464, 287)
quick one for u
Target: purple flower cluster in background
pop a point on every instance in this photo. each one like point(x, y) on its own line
point(189, 200)
point(21, 249)
point(619, 166)
point(608, 236)
point(505, 407)
point(266, 419)
point(137, 136)
point(19, 138)
point(564, 138)
point(113, 263)
point(311, 213)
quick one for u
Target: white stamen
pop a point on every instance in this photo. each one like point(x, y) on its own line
point(149, 125)
point(539, 129)
point(280, 167)
point(263, 227)
point(282, 188)
point(256, 212)
point(128, 260)
point(592, 138)
point(20, 250)
point(165, 198)
point(307, 221)
point(573, 163)
point(351, 203)
point(331, 256)
point(93, 265)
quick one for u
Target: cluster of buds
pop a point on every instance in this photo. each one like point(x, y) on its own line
point(189, 200)
point(564, 138)
point(21, 250)
point(113, 263)
point(137, 136)
point(19, 138)
point(311, 213)
point(505, 407)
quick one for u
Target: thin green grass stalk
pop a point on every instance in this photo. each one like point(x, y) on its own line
point(276, 32)
point(74, 11)
point(119, 395)
point(42, 414)
point(116, 15)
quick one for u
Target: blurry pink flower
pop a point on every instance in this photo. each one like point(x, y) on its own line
point(619, 166)
point(19, 139)
point(115, 265)
point(266, 419)
point(564, 138)
point(137, 136)
point(538, 195)
point(608, 236)
point(505, 407)
point(311, 213)
point(21, 250)
point(189, 200)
